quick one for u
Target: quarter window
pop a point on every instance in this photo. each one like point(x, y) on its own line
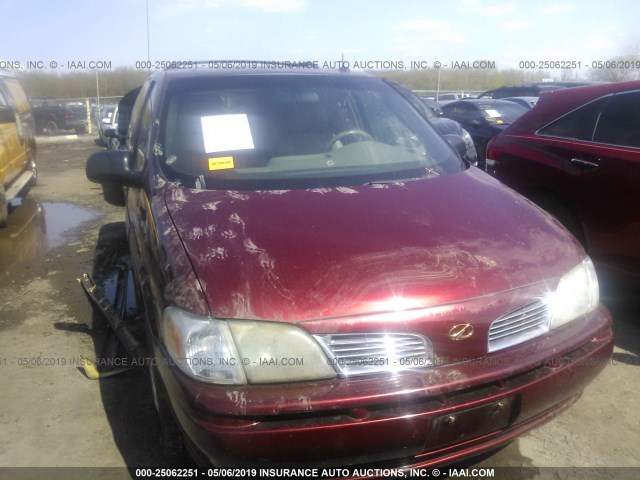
point(578, 124)
point(619, 123)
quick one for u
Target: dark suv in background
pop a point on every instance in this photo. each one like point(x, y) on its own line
point(577, 154)
point(483, 118)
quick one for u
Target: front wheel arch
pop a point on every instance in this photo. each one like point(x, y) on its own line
point(4, 207)
point(561, 210)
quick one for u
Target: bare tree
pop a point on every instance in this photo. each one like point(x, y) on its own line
point(620, 68)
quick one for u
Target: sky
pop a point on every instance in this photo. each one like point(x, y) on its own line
point(507, 32)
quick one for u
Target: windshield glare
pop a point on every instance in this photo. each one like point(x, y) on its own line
point(295, 131)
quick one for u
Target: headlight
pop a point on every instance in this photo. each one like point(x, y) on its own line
point(472, 155)
point(577, 294)
point(242, 351)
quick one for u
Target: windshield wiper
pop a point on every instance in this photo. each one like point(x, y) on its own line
point(429, 172)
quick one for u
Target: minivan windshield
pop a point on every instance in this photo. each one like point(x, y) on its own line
point(272, 131)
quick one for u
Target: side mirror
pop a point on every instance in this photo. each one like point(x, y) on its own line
point(111, 166)
point(457, 143)
point(111, 169)
point(7, 115)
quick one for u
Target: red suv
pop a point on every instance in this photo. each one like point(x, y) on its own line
point(326, 282)
point(577, 155)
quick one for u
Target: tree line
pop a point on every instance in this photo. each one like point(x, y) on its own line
point(119, 81)
point(111, 83)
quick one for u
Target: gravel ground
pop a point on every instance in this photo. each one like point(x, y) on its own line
point(52, 416)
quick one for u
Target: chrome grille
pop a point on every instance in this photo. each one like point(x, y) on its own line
point(519, 326)
point(361, 353)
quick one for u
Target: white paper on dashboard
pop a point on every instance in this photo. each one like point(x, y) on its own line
point(493, 113)
point(226, 132)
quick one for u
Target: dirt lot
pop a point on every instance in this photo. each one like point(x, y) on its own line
point(51, 415)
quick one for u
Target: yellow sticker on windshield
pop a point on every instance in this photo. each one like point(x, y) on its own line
point(220, 163)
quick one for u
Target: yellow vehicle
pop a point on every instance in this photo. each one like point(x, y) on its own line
point(17, 144)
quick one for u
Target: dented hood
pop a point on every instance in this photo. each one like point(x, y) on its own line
point(318, 253)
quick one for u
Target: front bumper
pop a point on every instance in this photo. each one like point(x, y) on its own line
point(414, 420)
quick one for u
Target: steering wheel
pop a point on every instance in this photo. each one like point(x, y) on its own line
point(364, 136)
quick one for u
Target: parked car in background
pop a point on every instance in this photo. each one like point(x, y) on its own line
point(577, 155)
point(528, 102)
point(51, 116)
point(433, 105)
point(107, 120)
point(325, 281)
point(451, 130)
point(483, 118)
point(79, 120)
point(448, 97)
point(18, 169)
point(444, 98)
point(116, 138)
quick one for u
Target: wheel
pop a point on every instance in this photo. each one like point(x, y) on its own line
point(80, 130)
point(113, 144)
point(33, 167)
point(171, 437)
point(52, 127)
point(356, 133)
point(4, 208)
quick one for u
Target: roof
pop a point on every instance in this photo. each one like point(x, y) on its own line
point(552, 105)
point(523, 97)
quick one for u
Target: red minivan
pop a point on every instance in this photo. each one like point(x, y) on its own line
point(327, 283)
point(577, 155)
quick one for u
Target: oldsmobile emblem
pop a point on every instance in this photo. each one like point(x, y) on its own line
point(461, 331)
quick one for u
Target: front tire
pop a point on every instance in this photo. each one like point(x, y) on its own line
point(52, 127)
point(171, 437)
point(33, 166)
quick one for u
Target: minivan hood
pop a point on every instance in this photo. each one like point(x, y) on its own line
point(294, 255)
